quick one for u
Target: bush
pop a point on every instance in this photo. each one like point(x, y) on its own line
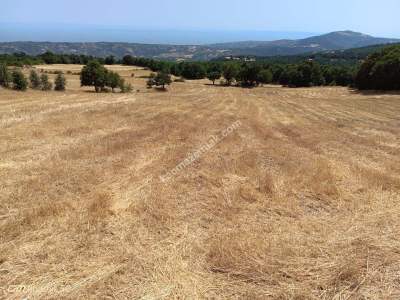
point(5, 76)
point(45, 83)
point(34, 80)
point(126, 88)
point(19, 80)
point(60, 82)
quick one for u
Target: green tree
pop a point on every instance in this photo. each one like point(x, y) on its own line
point(151, 82)
point(94, 74)
point(230, 72)
point(381, 70)
point(338, 75)
point(160, 79)
point(20, 83)
point(110, 60)
point(193, 71)
point(248, 74)
point(60, 82)
point(113, 80)
point(303, 75)
point(50, 58)
point(34, 80)
point(290, 75)
point(45, 83)
point(5, 76)
point(265, 76)
point(214, 75)
point(128, 60)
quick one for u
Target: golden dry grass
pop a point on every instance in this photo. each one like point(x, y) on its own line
point(300, 202)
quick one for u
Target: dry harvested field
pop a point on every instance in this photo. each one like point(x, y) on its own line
point(294, 193)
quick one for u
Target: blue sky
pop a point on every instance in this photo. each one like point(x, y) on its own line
point(367, 16)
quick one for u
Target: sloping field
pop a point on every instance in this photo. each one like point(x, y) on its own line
point(264, 193)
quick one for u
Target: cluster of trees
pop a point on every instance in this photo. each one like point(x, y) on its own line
point(18, 81)
point(96, 75)
point(249, 74)
point(303, 75)
point(43, 83)
point(380, 71)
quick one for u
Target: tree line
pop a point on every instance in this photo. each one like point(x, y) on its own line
point(379, 70)
point(249, 74)
point(17, 80)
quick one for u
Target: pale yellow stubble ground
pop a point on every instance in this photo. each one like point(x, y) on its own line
point(300, 201)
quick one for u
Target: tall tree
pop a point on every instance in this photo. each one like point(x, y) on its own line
point(94, 74)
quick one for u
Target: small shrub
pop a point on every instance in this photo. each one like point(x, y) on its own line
point(20, 83)
point(126, 87)
point(34, 80)
point(60, 82)
point(45, 83)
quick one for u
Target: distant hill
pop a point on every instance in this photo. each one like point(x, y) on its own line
point(332, 41)
point(333, 57)
point(338, 40)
